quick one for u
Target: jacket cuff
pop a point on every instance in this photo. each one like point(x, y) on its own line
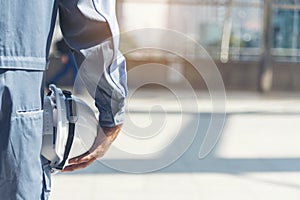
point(109, 118)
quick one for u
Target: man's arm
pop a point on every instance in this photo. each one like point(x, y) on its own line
point(90, 28)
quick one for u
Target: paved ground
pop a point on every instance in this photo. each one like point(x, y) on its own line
point(257, 156)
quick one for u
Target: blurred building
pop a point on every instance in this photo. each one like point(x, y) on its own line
point(254, 43)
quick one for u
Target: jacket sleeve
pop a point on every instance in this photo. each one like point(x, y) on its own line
point(90, 29)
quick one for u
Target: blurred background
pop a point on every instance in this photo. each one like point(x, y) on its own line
point(255, 45)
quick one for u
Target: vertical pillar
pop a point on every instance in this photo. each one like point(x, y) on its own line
point(119, 11)
point(265, 76)
point(225, 45)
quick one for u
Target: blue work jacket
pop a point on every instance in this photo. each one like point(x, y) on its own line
point(89, 27)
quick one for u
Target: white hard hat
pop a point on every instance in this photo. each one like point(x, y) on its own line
point(69, 129)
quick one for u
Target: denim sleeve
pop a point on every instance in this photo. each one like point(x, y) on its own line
point(90, 28)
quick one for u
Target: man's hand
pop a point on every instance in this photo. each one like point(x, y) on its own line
point(102, 143)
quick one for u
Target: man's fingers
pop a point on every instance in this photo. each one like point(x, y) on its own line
point(71, 168)
point(78, 166)
point(82, 159)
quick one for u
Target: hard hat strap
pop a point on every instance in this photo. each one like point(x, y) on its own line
point(71, 133)
point(68, 145)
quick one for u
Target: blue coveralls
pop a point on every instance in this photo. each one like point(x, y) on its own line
point(26, 29)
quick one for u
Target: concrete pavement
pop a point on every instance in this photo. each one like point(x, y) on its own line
point(257, 156)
